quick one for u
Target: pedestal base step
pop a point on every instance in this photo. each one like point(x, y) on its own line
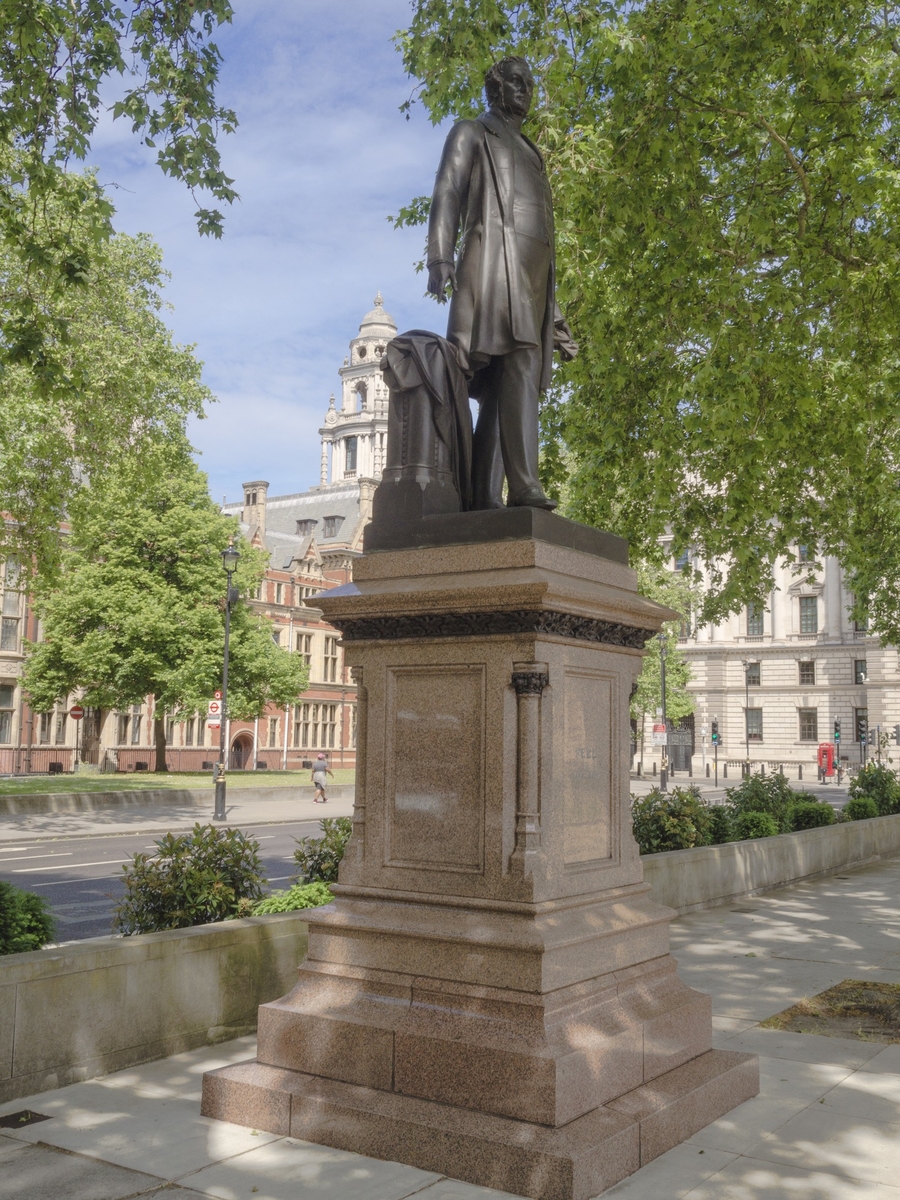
point(573, 1162)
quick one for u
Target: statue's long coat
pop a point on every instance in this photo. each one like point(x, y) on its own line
point(490, 311)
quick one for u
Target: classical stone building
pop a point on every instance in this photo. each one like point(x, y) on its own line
point(778, 678)
point(311, 538)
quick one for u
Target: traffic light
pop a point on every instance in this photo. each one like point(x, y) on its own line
point(715, 732)
point(837, 729)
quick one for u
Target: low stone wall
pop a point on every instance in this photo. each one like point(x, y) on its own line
point(41, 802)
point(688, 880)
point(92, 1007)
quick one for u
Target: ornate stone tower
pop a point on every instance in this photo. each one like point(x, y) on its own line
point(355, 432)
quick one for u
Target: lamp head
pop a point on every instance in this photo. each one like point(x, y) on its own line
point(230, 556)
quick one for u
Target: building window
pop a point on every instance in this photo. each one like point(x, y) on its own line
point(859, 671)
point(807, 672)
point(861, 626)
point(331, 659)
point(273, 732)
point(9, 633)
point(44, 728)
point(123, 721)
point(201, 732)
point(809, 614)
point(754, 621)
point(7, 697)
point(860, 724)
point(189, 732)
point(350, 445)
point(809, 724)
point(331, 525)
point(279, 593)
point(304, 647)
point(306, 527)
point(754, 719)
point(276, 636)
point(59, 735)
point(682, 560)
point(135, 725)
point(251, 499)
point(754, 674)
point(352, 715)
point(803, 554)
point(170, 731)
point(329, 725)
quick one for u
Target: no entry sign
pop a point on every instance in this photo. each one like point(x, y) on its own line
point(76, 712)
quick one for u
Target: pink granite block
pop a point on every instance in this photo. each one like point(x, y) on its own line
point(249, 1094)
point(573, 1163)
point(680, 1103)
point(317, 1044)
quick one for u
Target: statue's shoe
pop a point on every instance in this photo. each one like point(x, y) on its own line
point(531, 498)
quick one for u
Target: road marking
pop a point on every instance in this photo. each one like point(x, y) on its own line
point(33, 857)
point(14, 849)
point(106, 862)
point(72, 882)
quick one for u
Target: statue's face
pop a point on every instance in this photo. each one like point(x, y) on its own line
point(515, 90)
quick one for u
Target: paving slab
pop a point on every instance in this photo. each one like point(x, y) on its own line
point(42, 1173)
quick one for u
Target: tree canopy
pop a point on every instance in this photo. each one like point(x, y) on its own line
point(63, 63)
point(675, 591)
point(116, 385)
point(725, 185)
point(139, 605)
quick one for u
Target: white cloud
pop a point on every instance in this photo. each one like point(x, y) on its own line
point(321, 157)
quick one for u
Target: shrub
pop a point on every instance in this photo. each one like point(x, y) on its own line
point(319, 858)
point(675, 820)
point(721, 824)
point(193, 878)
point(860, 808)
point(301, 895)
point(25, 920)
point(811, 815)
point(755, 825)
point(879, 784)
point(770, 794)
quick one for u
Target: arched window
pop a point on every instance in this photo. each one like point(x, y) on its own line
point(350, 448)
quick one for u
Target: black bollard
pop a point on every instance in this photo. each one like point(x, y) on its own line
point(707, 770)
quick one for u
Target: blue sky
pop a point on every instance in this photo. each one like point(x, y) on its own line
point(321, 157)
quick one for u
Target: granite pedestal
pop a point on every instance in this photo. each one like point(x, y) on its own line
point(491, 994)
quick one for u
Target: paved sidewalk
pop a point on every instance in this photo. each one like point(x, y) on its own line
point(826, 1125)
point(163, 818)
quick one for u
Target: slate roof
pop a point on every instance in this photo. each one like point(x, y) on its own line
point(283, 512)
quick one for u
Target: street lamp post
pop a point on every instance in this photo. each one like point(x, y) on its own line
point(746, 665)
point(664, 766)
point(230, 558)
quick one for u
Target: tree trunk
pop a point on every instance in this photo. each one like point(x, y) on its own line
point(159, 737)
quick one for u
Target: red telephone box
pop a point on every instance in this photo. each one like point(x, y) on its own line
point(826, 758)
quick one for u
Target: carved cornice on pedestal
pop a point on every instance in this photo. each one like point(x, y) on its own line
point(479, 624)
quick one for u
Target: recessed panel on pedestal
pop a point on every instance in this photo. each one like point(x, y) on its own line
point(586, 781)
point(435, 757)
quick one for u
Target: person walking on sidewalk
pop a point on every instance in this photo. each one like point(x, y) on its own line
point(319, 772)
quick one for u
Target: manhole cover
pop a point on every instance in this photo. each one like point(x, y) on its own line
point(852, 1009)
point(20, 1119)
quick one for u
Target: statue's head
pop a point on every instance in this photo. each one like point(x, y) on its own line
point(509, 86)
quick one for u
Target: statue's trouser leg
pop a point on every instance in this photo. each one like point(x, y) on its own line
point(517, 408)
point(487, 461)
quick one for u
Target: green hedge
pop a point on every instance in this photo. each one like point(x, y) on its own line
point(25, 920)
point(877, 783)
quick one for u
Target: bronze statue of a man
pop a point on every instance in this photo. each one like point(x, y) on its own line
point(492, 193)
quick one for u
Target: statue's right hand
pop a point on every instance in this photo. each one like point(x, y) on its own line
point(440, 274)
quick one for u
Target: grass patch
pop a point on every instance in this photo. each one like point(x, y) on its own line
point(852, 1009)
point(144, 781)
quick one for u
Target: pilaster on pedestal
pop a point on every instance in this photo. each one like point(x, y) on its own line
point(491, 994)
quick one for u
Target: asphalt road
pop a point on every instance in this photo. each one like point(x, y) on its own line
point(81, 878)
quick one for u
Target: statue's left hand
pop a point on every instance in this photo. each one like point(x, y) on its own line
point(563, 341)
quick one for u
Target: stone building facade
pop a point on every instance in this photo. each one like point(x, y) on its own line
point(311, 538)
point(778, 679)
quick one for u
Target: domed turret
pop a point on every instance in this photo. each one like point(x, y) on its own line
point(378, 322)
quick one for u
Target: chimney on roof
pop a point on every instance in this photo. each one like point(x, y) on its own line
point(255, 506)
